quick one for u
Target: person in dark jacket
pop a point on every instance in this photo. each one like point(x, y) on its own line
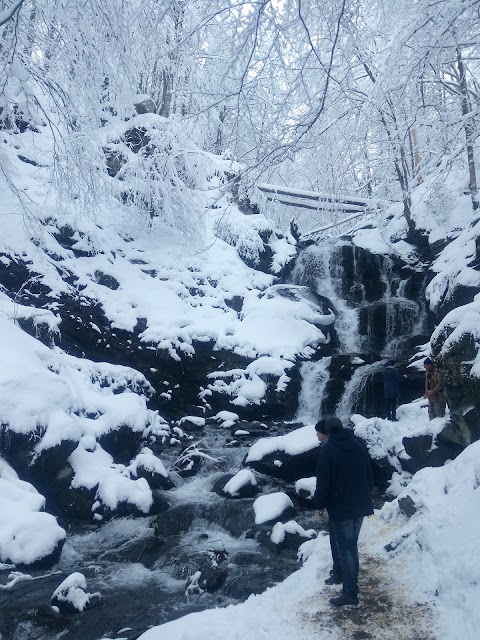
point(391, 388)
point(344, 484)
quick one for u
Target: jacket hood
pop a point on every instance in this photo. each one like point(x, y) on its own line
point(344, 439)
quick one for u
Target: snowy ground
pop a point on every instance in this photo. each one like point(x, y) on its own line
point(419, 580)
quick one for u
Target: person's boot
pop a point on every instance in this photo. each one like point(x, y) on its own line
point(333, 579)
point(344, 601)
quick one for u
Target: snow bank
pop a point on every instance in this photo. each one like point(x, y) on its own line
point(27, 534)
point(460, 323)
point(59, 397)
point(444, 531)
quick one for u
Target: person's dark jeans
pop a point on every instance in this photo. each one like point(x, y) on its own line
point(391, 408)
point(344, 545)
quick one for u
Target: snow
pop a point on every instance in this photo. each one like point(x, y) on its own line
point(280, 530)
point(240, 479)
point(55, 395)
point(226, 416)
point(148, 461)
point(306, 484)
point(293, 443)
point(384, 438)
point(460, 323)
point(182, 292)
point(444, 531)
point(27, 533)
point(73, 591)
point(271, 506)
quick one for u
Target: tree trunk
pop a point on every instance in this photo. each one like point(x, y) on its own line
point(469, 130)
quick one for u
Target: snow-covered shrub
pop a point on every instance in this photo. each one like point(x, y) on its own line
point(245, 234)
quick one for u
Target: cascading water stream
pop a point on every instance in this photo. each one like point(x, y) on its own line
point(378, 312)
point(315, 376)
point(319, 268)
point(354, 390)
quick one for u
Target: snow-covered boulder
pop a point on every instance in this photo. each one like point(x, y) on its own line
point(28, 535)
point(71, 595)
point(290, 535)
point(147, 465)
point(273, 507)
point(305, 487)
point(456, 343)
point(290, 457)
point(241, 485)
point(409, 444)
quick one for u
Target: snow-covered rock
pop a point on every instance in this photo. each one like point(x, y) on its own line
point(290, 457)
point(272, 507)
point(71, 595)
point(241, 485)
point(28, 535)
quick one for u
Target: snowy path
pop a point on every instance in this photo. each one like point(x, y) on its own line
point(387, 612)
point(394, 604)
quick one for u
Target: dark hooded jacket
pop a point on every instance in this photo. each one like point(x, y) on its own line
point(344, 477)
point(391, 382)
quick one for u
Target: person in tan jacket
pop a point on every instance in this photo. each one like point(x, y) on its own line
point(434, 390)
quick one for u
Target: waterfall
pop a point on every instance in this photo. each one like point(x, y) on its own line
point(319, 268)
point(315, 376)
point(353, 390)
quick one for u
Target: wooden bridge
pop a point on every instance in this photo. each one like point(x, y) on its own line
point(348, 208)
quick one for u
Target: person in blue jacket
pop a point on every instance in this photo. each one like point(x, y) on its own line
point(391, 388)
point(344, 485)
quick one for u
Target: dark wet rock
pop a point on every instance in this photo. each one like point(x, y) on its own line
point(122, 443)
point(145, 104)
point(47, 616)
point(160, 503)
point(407, 506)
point(462, 390)
point(106, 280)
point(287, 467)
point(144, 550)
point(177, 520)
point(73, 504)
point(236, 516)
point(114, 161)
point(155, 480)
point(425, 451)
point(383, 471)
point(52, 462)
point(213, 578)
